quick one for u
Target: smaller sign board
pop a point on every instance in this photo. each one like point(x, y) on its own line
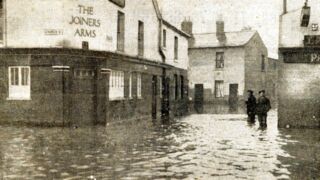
point(53, 32)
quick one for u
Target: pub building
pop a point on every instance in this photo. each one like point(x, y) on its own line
point(85, 62)
point(299, 50)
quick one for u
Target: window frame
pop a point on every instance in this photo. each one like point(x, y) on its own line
point(164, 38)
point(116, 85)
point(140, 38)
point(121, 32)
point(263, 63)
point(19, 87)
point(139, 85)
point(220, 60)
point(216, 83)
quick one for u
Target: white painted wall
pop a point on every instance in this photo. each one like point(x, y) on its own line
point(183, 58)
point(28, 20)
point(291, 33)
point(203, 71)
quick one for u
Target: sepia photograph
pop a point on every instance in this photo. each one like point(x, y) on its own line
point(159, 89)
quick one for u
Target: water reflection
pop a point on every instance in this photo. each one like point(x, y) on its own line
point(199, 146)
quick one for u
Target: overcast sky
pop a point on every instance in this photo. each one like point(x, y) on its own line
point(261, 15)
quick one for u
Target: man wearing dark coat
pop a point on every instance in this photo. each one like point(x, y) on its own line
point(251, 106)
point(263, 108)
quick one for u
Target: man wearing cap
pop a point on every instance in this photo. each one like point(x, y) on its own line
point(251, 106)
point(263, 108)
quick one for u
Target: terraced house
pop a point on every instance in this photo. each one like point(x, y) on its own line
point(86, 62)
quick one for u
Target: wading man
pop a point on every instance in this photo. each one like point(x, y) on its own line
point(251, 106)
point(263, 108)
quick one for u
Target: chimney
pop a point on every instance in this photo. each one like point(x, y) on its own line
point(187, 27)
point(284, 6)
point(220, 33)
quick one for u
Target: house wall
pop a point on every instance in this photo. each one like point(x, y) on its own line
point(255, 77)
point(183, 58)
point(298, 77)
point(299, 93)
point(62, 99)
point(23, 33)
point(203, 70)
point(291, 33)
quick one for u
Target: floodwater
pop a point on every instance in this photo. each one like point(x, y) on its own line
point(195, 147)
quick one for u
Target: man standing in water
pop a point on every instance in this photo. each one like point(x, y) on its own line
point(263, 108)
point(251, 107)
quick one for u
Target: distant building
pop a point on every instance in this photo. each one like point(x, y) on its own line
point(227, 64)
point(299, 51)
point(272, 78)
point(84, 62)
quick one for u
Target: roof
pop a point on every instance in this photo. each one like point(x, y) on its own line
point(168, 24)
point(234, 39)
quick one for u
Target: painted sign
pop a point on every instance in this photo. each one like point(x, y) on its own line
point(313, 40)
point(53, 32)
point(302, 57)
point(86, 22)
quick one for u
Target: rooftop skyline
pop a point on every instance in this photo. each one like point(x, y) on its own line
point(260, 15)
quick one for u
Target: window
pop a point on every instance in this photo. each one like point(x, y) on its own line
point(182, 86)
point(220, 60)
point(120, 31)
point(1, 19)
point(176, 87)
point(130, 85)
point(140, 39)
point(164, 38)
point(263, 65)
point(19, 83)
point(116, 86)
point(139, 85)
point(305, 13)
point(219, 89)
point(176, 44)
point(120, 3)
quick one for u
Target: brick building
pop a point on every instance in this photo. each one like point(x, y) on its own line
point(84, 62)
point(299, 52)
point(226, 64)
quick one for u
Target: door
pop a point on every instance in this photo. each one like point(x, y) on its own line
point(198, 98)
point(233, 97)
point(154, 97)
point(165, 107)
point(84, 96)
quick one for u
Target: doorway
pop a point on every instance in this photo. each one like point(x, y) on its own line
point(154, 97)
point(198, 98)
point(233, 96)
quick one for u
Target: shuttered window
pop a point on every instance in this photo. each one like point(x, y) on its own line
point(140, 38)
point(120, 31)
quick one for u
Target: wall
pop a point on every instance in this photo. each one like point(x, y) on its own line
point(203, 71)
point(299, 94)
point(183, 58)
point(291, 33)
point(255, 78)
point(298, 82)
point(27, 25)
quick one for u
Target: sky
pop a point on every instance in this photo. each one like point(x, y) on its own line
point(260, 15)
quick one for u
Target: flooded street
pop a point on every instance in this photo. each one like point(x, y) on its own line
point(198, 146)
